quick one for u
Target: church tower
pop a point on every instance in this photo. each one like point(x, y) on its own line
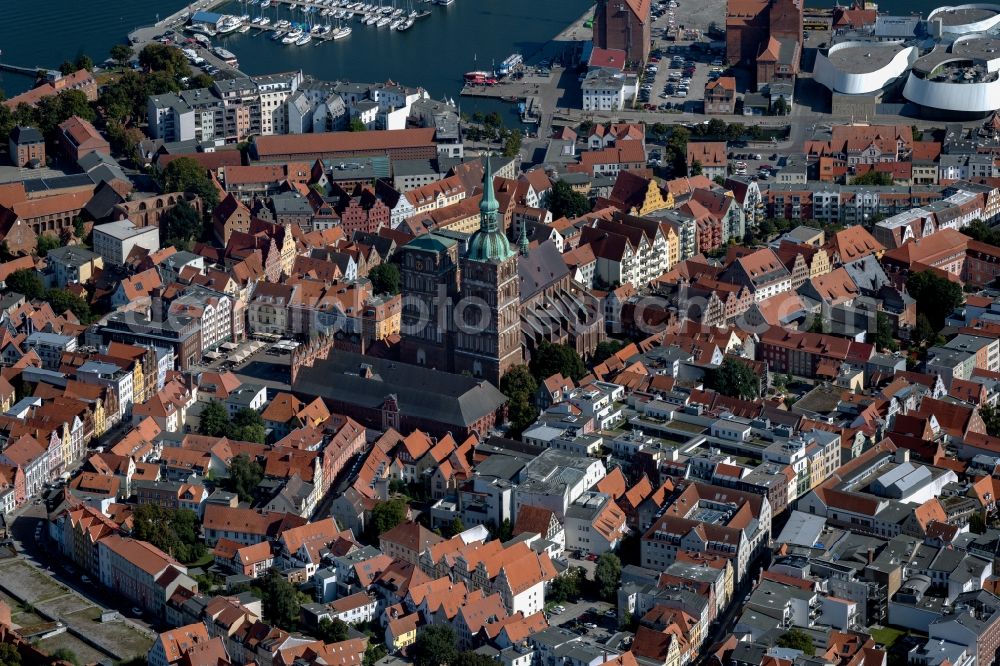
point(487, 313)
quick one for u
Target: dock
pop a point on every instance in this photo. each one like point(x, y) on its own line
point(27, 71)
point(312, 17)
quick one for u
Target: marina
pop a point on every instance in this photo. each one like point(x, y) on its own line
point(300, 23)
point(433, 54)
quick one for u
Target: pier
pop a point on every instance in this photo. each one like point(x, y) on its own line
point(311, 14)
point(27, 71)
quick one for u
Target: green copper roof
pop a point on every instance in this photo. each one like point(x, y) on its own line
point(489, 243)
point(432, 242)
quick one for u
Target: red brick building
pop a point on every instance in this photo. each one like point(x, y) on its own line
point(800, 354)
point(78, 137)
point(768, 33)
point(27, 147)
point(623, 25)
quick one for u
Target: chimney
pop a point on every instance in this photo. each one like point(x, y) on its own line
point(871, 554)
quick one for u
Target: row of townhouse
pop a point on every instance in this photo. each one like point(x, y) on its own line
point(844, 204)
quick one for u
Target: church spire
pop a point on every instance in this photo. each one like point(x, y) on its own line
point(489, 243)
point(522, 241)
point(488, 207)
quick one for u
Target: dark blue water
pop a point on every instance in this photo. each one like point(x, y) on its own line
point(433, 54)
point(47, 32)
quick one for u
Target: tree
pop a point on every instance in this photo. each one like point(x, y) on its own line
point(385, 278)
point(200, 80)
point(567, 587)
point(936, 296)
point(84, 61)
point(181, 225)
point(923, 331)
point(715, 128)
point(520, 386)
point(818, 325)
point(124, 99)
point(605, 350)
point(66, 68)
point(493, 120)
point(506, 530)
point(332, 631)
point(456, 526)
point(6, 123)
point(214, 420)
point(796, 639)
point(991, 417)
point(695, 169)
point(174, 531)
point(917, 134)
point(46, 243)
point(883, 338)
point(9, 656)
point(79, 228)
point(468, 658)
point(982, 232)
point(435, 646)
point(512, 144)
point(121, 54)
point(734, 379)
point(186, 175)
point(607, 575)
point(976, 523)
point(781, 107)
point(26, 281)
point(374, 653)
point(675, 150)
point(551, 359)
point(872, 177)
point(155, 57)
point(356, 125)
point(247, 426)
point(387, 515)
point(564, 201)
point(244, 477)
point(280, 602)
point(62, 300)
point(50, 112)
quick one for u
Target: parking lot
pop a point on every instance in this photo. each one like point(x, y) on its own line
point(596, 619)
point(677, 79)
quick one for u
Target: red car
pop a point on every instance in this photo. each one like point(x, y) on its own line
point(592, 557)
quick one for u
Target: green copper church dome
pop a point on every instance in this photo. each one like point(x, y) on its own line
point(489, 243)
point(489, 246)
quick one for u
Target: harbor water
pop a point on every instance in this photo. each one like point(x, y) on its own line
point(433, 54)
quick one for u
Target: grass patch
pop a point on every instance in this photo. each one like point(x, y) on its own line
point(887, 636)
point(205, 560)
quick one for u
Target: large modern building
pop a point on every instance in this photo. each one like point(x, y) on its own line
point(947, 64)
point(227, 112)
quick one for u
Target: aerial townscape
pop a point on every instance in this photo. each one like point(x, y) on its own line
point(671, 339)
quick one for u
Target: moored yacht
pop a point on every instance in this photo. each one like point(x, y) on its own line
point(292, 36)
point(303, 40)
